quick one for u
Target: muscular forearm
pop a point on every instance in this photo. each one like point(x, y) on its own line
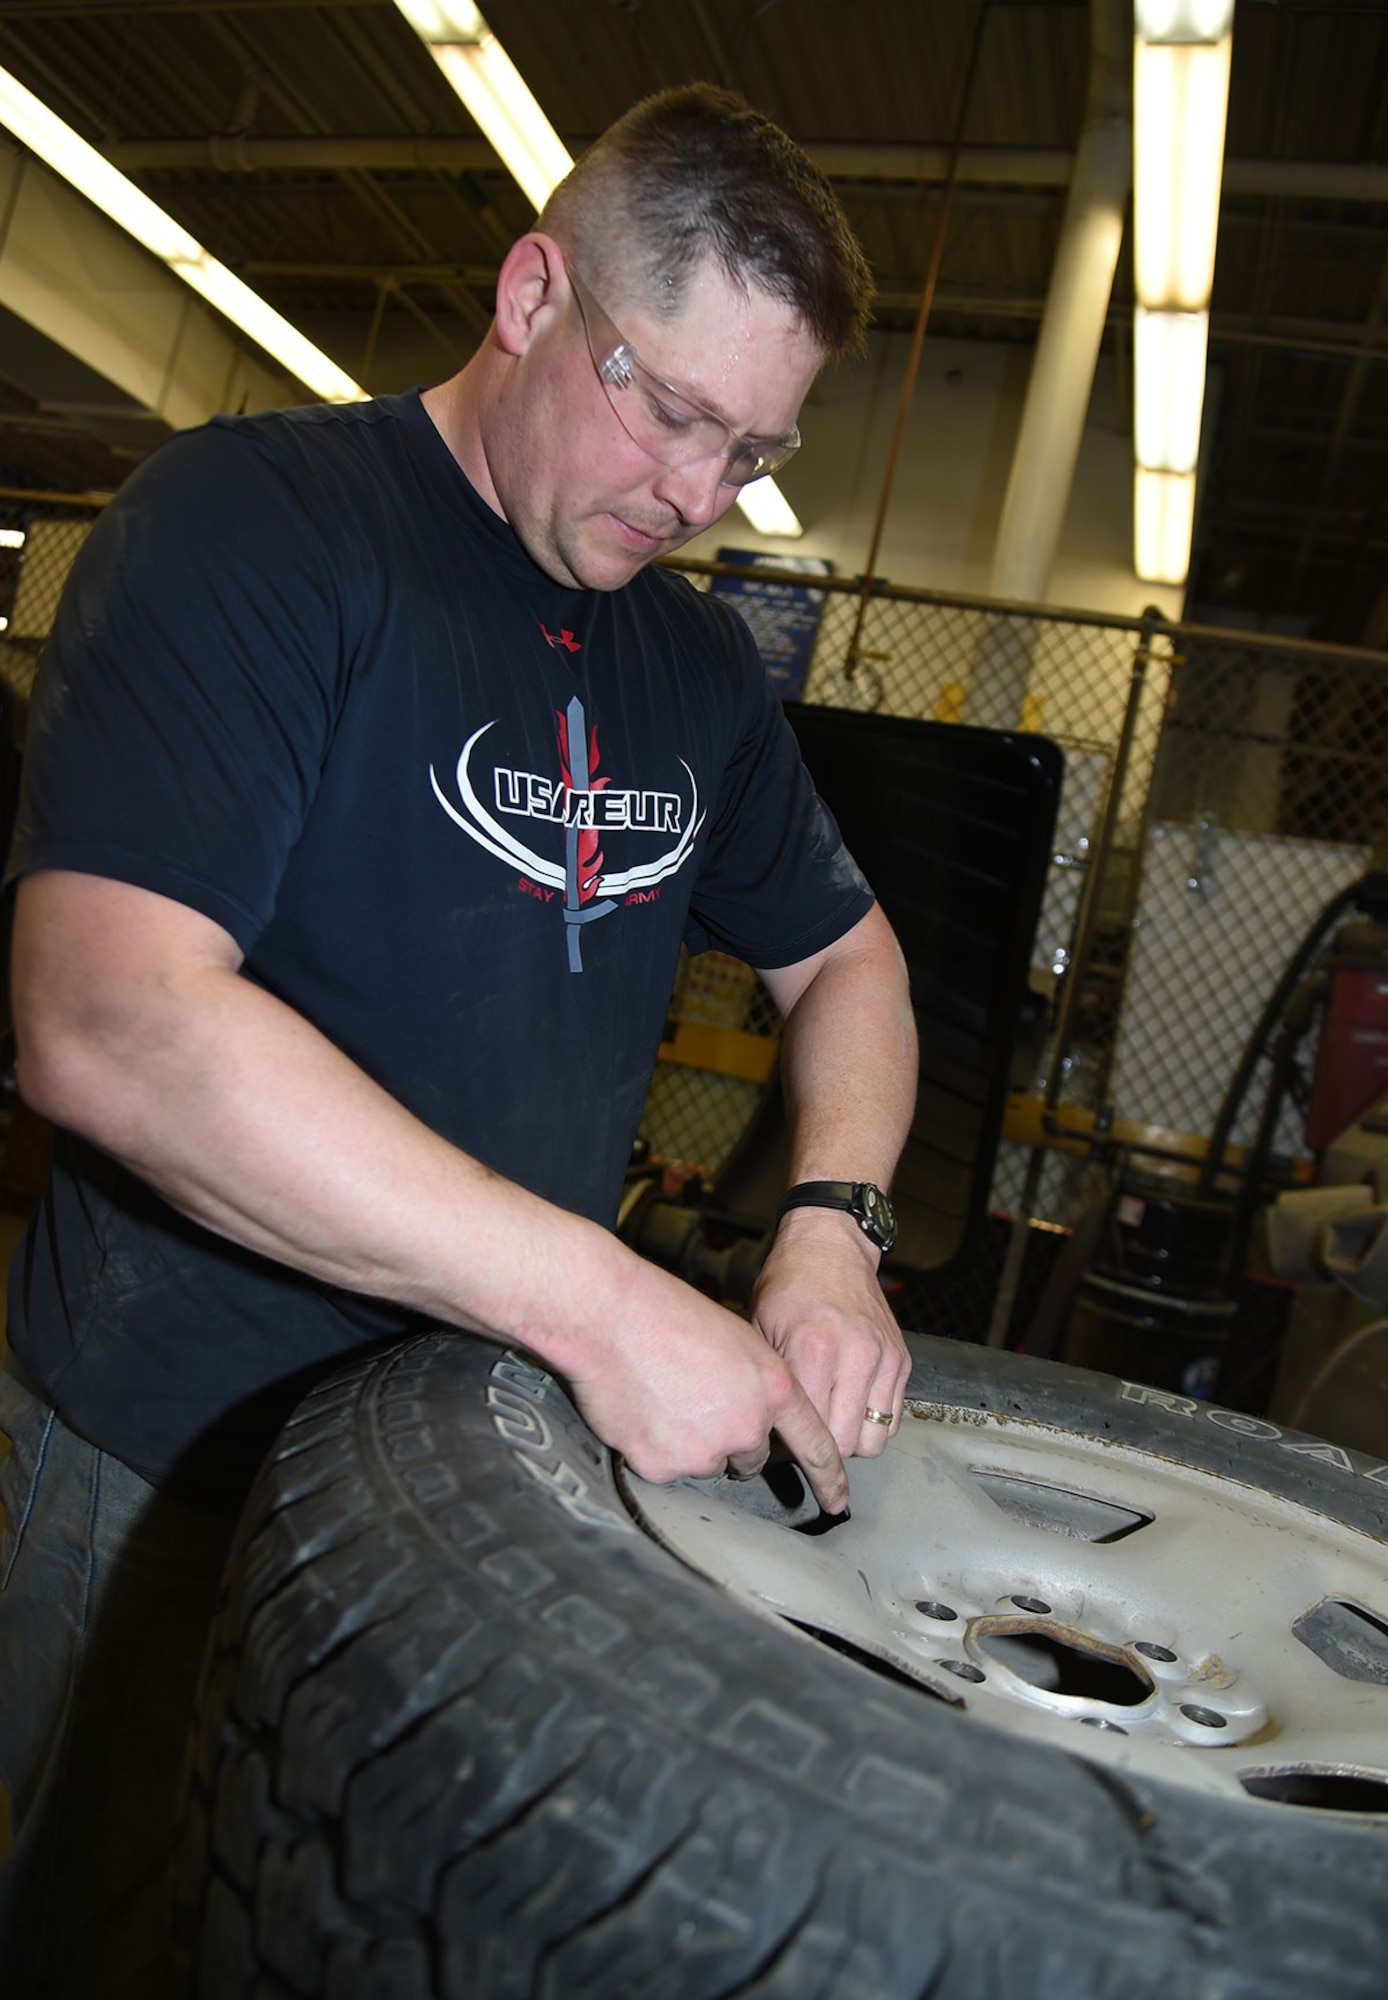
point(848, 1062)
point(248, 1120)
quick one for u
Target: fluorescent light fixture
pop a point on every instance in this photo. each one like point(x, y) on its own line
point(1180, 98)
point(11, 538)
point(765, 506)
point(246, 309)
point(1181, 60)
point(1168, 388)
point(496, 95)
point(1183, 20)
point(4, 624)
point(1163, 524)
point(444, 20)
point(60, 148)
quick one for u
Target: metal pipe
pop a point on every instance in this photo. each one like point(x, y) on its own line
point(1006, 1296)
point(908, 384)
point(236, 153)
point(1086, 921)
point(979, 166)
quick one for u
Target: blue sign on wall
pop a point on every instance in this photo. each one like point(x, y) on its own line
point(784, 617)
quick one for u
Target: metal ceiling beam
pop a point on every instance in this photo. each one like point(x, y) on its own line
point(1337, 339)
point(236, 153)
point(980, 166)
point(57, 10)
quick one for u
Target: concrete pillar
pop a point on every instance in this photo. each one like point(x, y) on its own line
point(1062, 374)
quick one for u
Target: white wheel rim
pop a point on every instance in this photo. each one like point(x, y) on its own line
point(1204, 1631)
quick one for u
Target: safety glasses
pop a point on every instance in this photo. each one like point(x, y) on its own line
point(666, 422)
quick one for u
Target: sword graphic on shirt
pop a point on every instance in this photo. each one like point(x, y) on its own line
point(581, 804)
point(582, 856)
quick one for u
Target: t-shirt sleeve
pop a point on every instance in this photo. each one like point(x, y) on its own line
point(776, 883)
point(187, 695)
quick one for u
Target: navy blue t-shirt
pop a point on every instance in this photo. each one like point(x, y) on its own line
point(306, 682)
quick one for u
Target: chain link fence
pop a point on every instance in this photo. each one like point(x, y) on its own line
point(1220, 789)
point(918, 654)
point(40, 535)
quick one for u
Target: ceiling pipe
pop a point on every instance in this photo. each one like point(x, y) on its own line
point(236, 153)
point(979, 166)
point(908, 383)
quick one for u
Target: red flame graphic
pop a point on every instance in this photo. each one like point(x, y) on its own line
point(590, 855)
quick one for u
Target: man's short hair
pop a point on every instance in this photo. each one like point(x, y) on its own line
point(696, 172)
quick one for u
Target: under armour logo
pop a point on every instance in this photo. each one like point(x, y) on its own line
point(565, 639)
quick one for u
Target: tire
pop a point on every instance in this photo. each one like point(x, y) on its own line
point(469, 1732)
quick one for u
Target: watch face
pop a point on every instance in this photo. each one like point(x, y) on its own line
point(876, 1215)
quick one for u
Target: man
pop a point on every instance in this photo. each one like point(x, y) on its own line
point(373, 785)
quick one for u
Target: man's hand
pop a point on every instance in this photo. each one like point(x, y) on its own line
point(690, 1391)
point(818, 1303)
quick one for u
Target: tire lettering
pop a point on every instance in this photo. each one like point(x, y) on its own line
point(512, 1385)
point(516, 1421)
point(522, 1375)
point(1249, 1427)
point(1142, 1392)
point(1252, 1427)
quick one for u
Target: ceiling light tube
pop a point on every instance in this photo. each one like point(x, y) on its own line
point(766, 508)
point(496, 95)
point(1163, 524)
point(444, 20)
point(1183, 20)
point(267, 328)
point(1180, 101)
point(1168, 388)
point(59, 147)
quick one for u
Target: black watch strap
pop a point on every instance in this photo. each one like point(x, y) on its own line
point(864, 1201)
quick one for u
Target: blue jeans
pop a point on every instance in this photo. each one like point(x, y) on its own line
point(107, 1588)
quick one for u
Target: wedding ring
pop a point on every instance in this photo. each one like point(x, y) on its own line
point(872, 1416)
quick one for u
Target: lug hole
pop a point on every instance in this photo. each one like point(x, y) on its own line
point(940, 1611)
point(1151, 1652)
point(1208, 1718)
point(964, 1670)
point(1035, 1604)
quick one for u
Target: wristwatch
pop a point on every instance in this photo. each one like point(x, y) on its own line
point(866, 1203)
